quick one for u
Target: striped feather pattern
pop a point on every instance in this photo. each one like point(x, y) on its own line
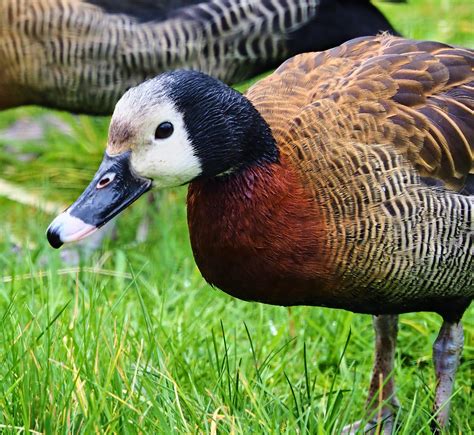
point(381, 131)
point(73, 54)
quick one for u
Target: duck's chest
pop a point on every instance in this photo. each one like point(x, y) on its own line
point(259, 237)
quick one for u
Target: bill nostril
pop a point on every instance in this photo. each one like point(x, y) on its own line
point(105, 180)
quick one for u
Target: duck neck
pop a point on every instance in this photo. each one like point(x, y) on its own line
point(250, 191)
point(227, 132)
point(259, 150)
point(244, 186)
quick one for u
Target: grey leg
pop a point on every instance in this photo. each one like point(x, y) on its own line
point(382, 386)
point(381, 402)
point(383, 382)
point(447, 351)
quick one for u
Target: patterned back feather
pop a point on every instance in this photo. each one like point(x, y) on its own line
point(381, 131)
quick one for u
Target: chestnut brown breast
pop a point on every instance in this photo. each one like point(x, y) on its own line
point(257, 235)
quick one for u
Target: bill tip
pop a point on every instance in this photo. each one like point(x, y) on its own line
point(53, 238)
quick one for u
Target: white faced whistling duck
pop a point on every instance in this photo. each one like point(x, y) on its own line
point(345, 179)
point(82, 55)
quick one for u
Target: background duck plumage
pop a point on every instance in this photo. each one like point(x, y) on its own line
point(81, 55)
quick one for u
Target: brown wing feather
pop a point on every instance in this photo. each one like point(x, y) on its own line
point(415, 96)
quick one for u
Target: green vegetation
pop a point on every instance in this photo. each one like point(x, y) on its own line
point(133, 340)
point(450, 21)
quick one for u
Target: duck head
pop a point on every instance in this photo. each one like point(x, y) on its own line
point(167, 132)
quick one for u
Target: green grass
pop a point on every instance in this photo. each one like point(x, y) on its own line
point(133, 340)
point(450, 21)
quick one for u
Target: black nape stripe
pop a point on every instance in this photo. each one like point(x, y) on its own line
point(143, 10)
point(338, 21)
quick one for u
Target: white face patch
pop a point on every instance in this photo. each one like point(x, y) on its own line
point(170, 161)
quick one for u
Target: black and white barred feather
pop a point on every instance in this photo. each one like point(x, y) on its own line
point(81, 55)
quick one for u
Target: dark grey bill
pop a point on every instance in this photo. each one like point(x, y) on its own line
point(113, 188)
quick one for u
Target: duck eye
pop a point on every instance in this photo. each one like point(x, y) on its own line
point(164, 130)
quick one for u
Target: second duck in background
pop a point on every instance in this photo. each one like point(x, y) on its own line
point(82, 55)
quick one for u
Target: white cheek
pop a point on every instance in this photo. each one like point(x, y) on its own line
point(169, 162)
